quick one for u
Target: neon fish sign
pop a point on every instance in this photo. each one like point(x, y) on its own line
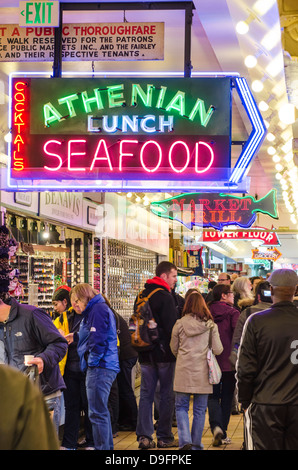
point(215, 210)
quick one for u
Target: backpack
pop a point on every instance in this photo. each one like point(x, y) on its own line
point(142, 326)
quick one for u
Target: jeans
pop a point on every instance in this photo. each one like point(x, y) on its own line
point(54, 406)
point(220, 402)
point(98, 385)
point(150, 374)
point(199, 411)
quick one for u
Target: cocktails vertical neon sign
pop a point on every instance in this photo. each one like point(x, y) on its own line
point(20, 100)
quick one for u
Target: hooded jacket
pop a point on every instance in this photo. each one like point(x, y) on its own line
point(165, 314)
point(30, 330)
point(97, 346)
point(189, 343)
point(226, 317)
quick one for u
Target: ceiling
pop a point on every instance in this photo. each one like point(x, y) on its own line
point(217, 46)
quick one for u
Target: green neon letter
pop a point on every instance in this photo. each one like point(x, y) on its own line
point(50, 114)
point(146, 98)
point(95, 99)
point(178, 103)
point(161, 96)
point(204, 117)
point(113, 96)
point(68, 100)
point(28, 12)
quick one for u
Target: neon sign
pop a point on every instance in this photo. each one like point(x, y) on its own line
point(124, 133)
point(215, 210)
point(272, 255)
point(259, 233)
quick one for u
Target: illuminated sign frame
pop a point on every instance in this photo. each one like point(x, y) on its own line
point(234, 181)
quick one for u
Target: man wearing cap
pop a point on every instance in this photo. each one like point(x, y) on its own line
point(267, 369)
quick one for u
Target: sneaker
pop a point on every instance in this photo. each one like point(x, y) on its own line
point(146, 443)
point(186, 447)
point(227, 441)
point(67, 448)
point(217, 436)
point(162, 444)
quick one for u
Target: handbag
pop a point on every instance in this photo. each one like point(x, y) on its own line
point(214, 369)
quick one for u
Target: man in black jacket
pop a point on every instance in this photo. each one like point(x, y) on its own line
point(159, 364)
point(267, 369)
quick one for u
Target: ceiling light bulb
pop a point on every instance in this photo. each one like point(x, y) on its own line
point(276, 158)
point(263, 106)
point(270, 137)
point(129, 195)
point(257, 86)
point(250, 61)
point(242, 27)
point(287, 113)
point(271, 150)
point(279, 167)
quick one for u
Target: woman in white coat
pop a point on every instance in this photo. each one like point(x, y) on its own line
point(189, 343)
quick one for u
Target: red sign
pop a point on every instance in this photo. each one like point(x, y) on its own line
point(260, 233)
point(272, 255)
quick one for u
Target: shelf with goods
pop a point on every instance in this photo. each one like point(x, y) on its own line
point(120, 272)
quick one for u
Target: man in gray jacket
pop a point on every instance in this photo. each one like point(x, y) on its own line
point(267, 369)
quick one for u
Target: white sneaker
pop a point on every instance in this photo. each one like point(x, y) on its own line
point(227, 440)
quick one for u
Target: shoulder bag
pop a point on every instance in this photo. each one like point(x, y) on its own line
point(214, 369)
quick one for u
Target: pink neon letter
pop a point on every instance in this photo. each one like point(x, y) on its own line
point(52, 154)
point(170, 156)
point(106, 157)
point(122, 154)
point(197, 156)
point(70, 153)
point(142, 157)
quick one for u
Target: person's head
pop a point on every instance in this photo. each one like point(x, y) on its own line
point(196, 306)
point(61, 300)
point(190, 291)
point(80, 295)
point(168, 272)
point(211, 284)
point(242, 286)
point(224, 278)
point(223, 293)
point(283, 284)
point(263, 293)
point(254, 282)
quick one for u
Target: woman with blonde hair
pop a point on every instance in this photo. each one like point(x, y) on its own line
point(189, 343)
point(243, 294)
point(98, 352)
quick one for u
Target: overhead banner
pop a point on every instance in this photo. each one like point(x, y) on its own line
point(215, 210)
point(271, 255)
point(91, 41)
point(258, 233)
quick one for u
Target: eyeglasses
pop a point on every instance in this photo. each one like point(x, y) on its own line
point(225, 279)
point(230, 292)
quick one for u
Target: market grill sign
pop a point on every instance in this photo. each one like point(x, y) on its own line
point(130, 133)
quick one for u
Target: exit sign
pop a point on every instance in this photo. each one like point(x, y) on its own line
point(42, 13)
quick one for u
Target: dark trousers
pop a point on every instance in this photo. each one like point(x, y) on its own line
point(271, 427)
point(128, 410)
point(220, 402)
point(75, 400)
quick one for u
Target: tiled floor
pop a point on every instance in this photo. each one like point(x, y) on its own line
point(127, 440)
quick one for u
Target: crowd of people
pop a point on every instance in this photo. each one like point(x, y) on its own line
point(84, 352)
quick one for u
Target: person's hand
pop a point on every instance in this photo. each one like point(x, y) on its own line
point(69, 338)
point(37, 361)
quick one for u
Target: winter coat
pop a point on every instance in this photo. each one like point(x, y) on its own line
point(226, 317)
point(97, 346)
point(30, 330)
point(189, 343)
point(165, 314)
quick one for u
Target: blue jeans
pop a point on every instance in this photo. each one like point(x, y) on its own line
point(98, 386)
point(199, 411)
point(150, 374)
point(54, 405)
